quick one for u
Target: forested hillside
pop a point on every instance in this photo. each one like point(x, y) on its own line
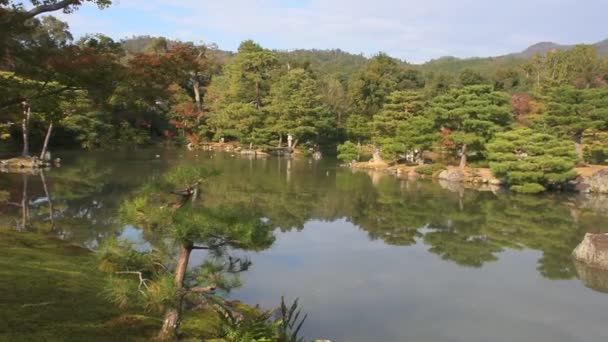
point(96, 92)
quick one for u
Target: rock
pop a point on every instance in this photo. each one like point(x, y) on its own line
point(593, 278)
point(596, 183)
point(494, 181)
point(593, 251)
point(452, 175)
point(23, 163)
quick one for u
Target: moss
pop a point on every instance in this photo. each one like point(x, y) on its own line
point(200, 324)
point(49, 291)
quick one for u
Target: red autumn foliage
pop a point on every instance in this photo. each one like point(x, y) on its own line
point(521, 105)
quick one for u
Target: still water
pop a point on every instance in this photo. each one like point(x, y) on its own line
point(371, 257)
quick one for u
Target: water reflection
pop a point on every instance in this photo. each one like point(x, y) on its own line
point(470, 228)
point(410, 253)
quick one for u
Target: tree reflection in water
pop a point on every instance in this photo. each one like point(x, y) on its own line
point(79, 201)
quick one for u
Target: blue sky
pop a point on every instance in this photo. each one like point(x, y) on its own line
point(414, 30)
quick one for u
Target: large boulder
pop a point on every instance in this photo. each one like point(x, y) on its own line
point(593, 251)
point(596, 183)
point(453, 175)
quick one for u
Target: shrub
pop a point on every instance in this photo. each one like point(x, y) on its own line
point(429, 170)
point(531, 162)
point(348, 152)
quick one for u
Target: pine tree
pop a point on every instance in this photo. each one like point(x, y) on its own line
point(296, 108)
point(418, 133)
point(171, 210)
point(530, 161)
point(473, 115)
point(571, 112)
point(400, 107)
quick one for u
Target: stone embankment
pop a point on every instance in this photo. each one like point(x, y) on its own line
point(591, 179)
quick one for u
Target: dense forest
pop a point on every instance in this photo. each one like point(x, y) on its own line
point(530, 116)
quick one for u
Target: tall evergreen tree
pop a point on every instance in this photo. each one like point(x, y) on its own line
point(473, 115)
point(570, 112)
point(296, 108)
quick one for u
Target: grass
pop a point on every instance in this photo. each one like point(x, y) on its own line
point(51, 291)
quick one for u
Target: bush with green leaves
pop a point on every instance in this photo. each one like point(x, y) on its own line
point(531, 162)
point(348, 152)
point(429, 170)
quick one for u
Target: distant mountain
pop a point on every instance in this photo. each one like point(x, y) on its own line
point(344, 64)
point(544, 47)
point(488, 65)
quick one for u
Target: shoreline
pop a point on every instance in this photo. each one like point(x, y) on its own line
point(590, 178)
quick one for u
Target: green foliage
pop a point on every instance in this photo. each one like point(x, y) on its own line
point(571, 112)
point(430, 170)
point(381, 76)
point(296, 107)
point(531, 161)
point(348, 152)
point(358, 128)
point(595, 147)
point(418, 133)
point(469, 77)
point(579, 66)
point(255, 325)
point(473, 115)
point(171, 211)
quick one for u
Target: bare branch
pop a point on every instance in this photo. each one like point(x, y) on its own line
point(142, 280)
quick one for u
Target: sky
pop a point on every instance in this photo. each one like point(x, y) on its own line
point(413, 30)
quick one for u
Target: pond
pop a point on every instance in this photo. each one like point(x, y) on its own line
point(371, 257)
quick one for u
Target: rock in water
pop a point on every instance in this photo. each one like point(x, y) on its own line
point(452, 175)
point(593, 251)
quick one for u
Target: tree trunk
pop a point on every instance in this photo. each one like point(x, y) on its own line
point(197, 95)
point(376, 157)
point(27, 112)
point(280, 140)
point(420, 158)
point(463, 156)
point(578, 145)
point(258, 98)
point(173, 315)
point(46, 142)
point(170, 323)
point(293, 147)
